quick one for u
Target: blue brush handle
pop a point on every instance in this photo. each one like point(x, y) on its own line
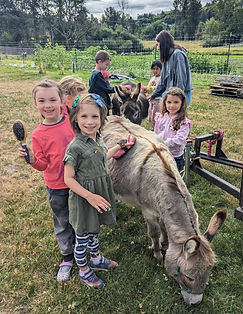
point(27, 157)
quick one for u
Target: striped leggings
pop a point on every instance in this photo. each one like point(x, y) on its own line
point(84, 242)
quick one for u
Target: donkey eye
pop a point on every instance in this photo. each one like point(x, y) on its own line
point(189, 278)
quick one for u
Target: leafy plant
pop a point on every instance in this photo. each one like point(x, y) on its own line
point(203, 63)
point(52, 57)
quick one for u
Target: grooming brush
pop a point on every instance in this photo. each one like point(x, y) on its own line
point(124, 148)
point(20, 132)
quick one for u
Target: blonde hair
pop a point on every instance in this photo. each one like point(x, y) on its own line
point(72, 86)
point(46, 83)
point(87, 99)
point(181, 114)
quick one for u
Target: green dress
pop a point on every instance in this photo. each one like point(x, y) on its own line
point(89, 159)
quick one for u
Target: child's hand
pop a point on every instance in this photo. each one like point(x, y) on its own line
point(127, 141)
point(23, 154)
point(144, 89)
point(98, 202)
point(125, 87)
point(121, 147)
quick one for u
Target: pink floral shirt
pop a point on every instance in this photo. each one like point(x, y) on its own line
point(175, 140)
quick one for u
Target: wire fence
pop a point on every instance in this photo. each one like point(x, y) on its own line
point(134, 59)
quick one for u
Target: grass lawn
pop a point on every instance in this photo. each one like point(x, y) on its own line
point(28, 248)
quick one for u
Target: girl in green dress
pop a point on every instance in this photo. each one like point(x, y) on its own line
point(91, 197)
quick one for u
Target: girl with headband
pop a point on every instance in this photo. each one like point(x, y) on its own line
point(91, 197)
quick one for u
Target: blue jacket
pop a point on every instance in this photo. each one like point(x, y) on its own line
point(99, 86)
point(175, 73)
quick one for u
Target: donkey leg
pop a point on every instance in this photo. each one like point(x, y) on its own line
point(164, 236)
point(154, 232)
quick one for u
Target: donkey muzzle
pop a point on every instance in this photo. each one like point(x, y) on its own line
point(190, 298)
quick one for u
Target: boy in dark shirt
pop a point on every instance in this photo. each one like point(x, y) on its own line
point(97, 83)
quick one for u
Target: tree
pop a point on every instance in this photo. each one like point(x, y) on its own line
point(212, 33)
point(200, 30)
point(15, 20)
point(212, 27)
point(150, 31)
point(123, 5)
point(187, 16)
point(111, 17)
point(230, 14)
point(71, 20)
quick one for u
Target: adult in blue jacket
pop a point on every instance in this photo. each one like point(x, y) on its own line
point(176, 69)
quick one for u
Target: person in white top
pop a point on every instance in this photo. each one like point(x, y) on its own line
point(154, 106)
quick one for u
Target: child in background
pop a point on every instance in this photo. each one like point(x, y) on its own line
point(71, 86)
point(91, 198)
point(154, 103)
point(49, 142)
point(97, 83)
point(156, 70)
point(173, 126)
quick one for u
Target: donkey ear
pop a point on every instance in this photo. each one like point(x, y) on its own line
point(191, 246)
point(215, 223)
point(136, 92)
point(119, 92)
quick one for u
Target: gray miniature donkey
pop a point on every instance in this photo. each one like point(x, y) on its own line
point(147, 176)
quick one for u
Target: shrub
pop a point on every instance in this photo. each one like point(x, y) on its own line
point(52, 57)
point(202, 63)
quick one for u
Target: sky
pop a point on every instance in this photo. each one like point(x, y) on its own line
point(135, 7)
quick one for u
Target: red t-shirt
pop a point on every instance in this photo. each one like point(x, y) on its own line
point(49, 144)
point(106, 75)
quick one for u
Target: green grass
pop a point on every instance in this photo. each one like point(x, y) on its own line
point(29, 252)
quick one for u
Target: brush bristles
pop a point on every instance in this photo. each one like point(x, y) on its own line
point(19, 130)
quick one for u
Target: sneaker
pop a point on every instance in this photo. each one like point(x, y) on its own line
point(105, 264)
point(64, 272)
point(91, 280)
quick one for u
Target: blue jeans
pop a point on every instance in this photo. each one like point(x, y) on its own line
point(179, 162)
point(188, 98)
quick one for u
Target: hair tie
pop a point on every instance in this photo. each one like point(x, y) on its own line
point(74, 104)
point(98, 100)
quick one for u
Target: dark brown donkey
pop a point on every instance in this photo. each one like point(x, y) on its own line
point(153, 182)
point(130, 103)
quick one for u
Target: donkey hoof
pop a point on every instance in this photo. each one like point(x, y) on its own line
point(165, 246)
point(158, 256)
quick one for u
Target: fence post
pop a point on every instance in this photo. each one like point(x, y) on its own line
point(74, 63)
point(227, 63)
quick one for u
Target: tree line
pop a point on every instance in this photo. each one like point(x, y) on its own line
point(27, 22)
